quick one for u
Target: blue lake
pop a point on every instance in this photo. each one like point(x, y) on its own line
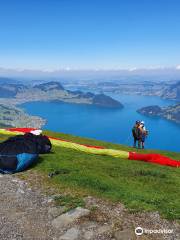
point(113, 125)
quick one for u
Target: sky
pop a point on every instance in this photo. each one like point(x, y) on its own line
point(89, 34)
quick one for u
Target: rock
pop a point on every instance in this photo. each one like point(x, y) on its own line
point(56, 211)
point(65, 219)
point(49, 201)
point(88, 235)
point(20, 191)
point(71, 234)
point(104, 229)
point(125, 235)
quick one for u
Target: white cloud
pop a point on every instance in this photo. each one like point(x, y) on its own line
point(67, 69)
point(178, 67)
point(132, 69)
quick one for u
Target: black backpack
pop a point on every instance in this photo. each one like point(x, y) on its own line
point(27, 143)
point(43, 143)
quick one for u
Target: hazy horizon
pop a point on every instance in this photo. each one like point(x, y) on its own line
point(158, 74)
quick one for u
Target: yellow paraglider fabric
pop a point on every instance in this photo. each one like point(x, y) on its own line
point(146, 157)
point(79, 147)
point(6, 132)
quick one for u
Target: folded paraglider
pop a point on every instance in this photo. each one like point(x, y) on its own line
point(19, 152)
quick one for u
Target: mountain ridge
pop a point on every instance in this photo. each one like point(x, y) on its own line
point(18, 94)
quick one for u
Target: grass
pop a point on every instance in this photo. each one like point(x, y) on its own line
point(139, 185)
point(69, 202)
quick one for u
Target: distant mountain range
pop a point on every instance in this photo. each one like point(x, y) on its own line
point(8, 90)
point(52, 91)
point(170, 113)
point(166, 89)
point(172, 92)
point(5, 80)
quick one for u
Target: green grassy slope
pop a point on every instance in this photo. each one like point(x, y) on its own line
point(139, 185)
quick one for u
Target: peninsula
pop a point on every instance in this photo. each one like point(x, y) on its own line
point(171, 113)
point(15, 117)
point(13, 95)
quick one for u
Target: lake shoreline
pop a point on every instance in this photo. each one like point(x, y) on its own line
point(107, 124)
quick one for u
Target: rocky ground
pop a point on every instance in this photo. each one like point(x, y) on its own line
point(27, 213)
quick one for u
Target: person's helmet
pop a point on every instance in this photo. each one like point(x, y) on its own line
point(138, 122)
point(142, 122)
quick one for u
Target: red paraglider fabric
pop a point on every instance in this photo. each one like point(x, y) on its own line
point(146, 157)
point(24, 130)
point(154, 158)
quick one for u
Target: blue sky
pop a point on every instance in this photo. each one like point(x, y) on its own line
point(89, 34)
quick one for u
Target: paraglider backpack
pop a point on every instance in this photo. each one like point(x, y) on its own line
point(16, 163)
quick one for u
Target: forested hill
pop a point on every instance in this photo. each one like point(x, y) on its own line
point(52, 91)
point(170, 113)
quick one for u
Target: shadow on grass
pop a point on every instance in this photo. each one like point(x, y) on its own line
point(38, 161)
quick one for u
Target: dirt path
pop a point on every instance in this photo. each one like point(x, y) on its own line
point(27, 214)
point(23, 212)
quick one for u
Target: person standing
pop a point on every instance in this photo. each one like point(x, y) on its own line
point(135, 133)
point(142, 135)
